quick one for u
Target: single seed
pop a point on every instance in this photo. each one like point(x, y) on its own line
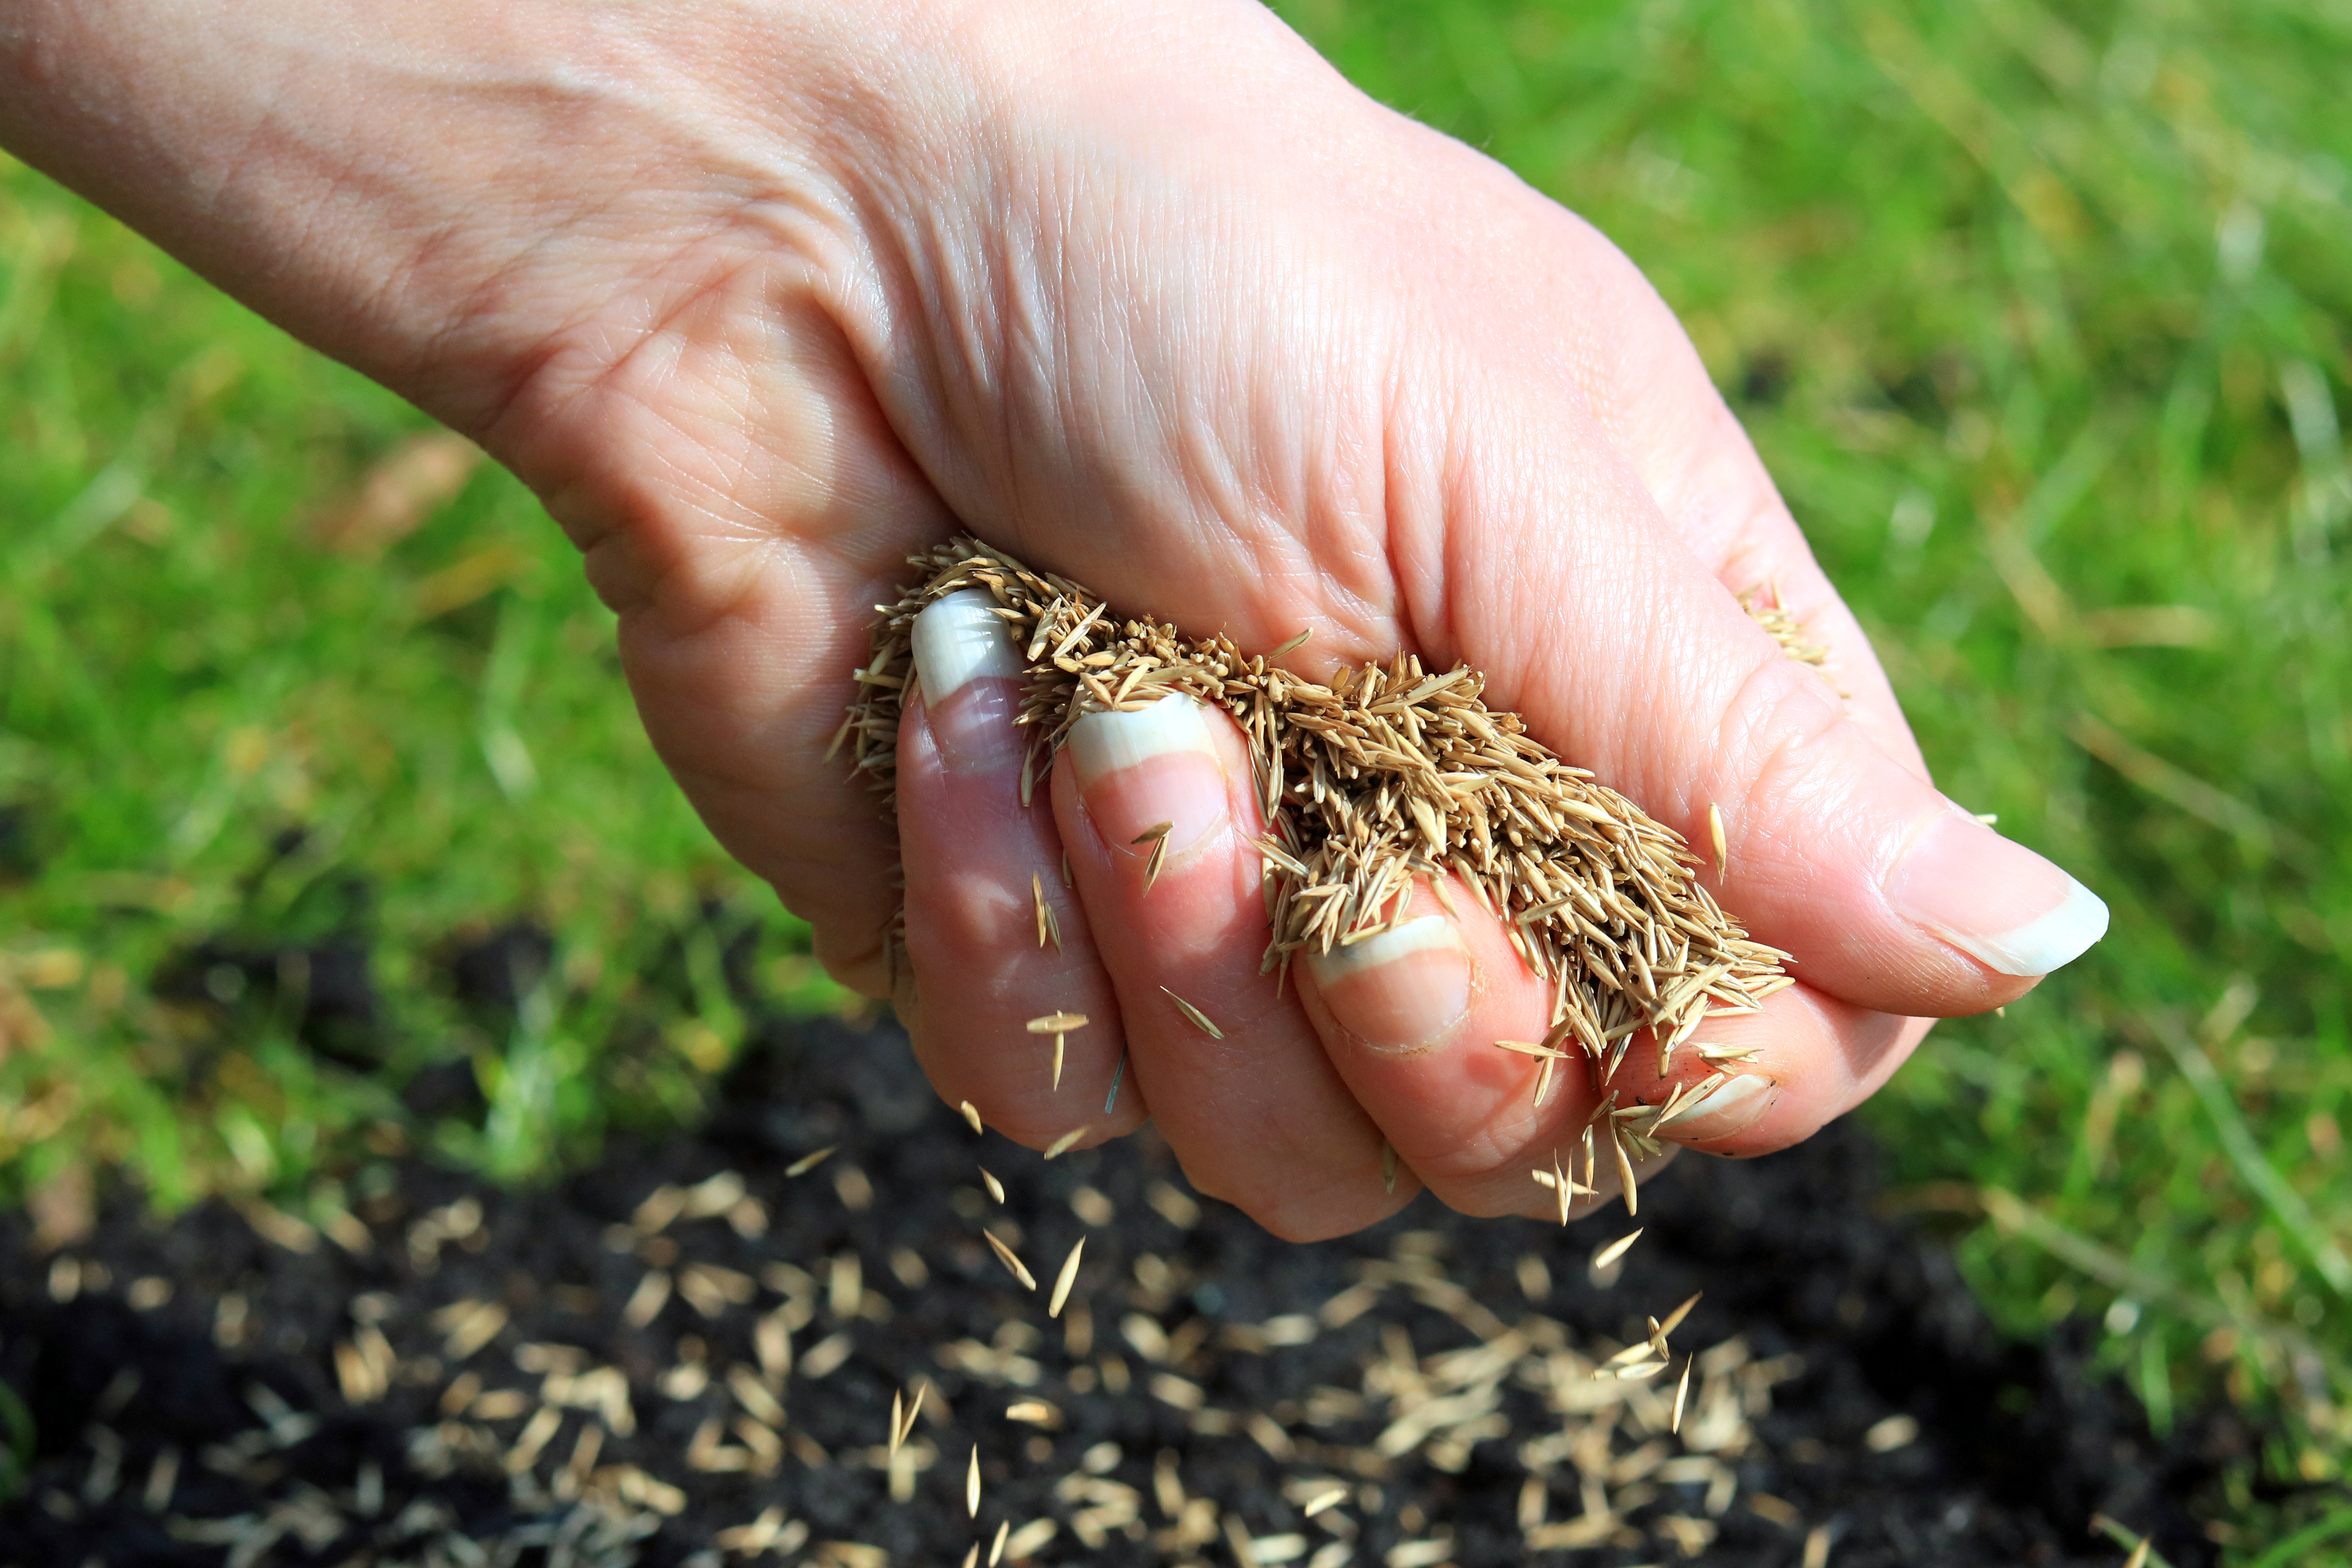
point(1060, 1050)
point(971, 1557)
point(1290, 646)
point(996, 1187)
point(1681, 1392)
point(898, 1413)
point(1061, 1145)
point(1151, 866)
point(996, 1547)
point(1817, 1547)
point(1049, 929)
point(1722, 846)
point(971, 1115)
point(1066, 1279)
point(1559, 1185)
point(1624, 1170)
point(1616, 1250)
point(807, 1162)
point(1675, 1319)
point(1718, 1054)
point(972, 1484)
point(1154, 834)
point(1004, 1256)
point(1057, 1023)
point(2138, 1558)
point(1387, 1167)
point(1198, 1018)
point(1323, 1499)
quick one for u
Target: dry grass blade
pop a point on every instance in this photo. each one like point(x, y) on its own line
point(807, 1162)
point(1004, 1255)
point(1198, 1018)
point(1063, 1144)
point(1615, 1250)
point(971, 1115)
point(1066, 1279)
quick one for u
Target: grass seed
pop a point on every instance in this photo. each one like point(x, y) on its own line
point(1066, 1279)
point(1004, 1256)
point(807, 1162)
point(1198, 1018)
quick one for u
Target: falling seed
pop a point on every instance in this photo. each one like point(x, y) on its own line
point(972, 1484)
point(973, 1557)
point(1559, 1185)
point(971, 1115)
point(1682, 1393)
point(898, 1413)
point(1387, 1167)
point(996, 1547)
point(807, 1162)
point(1066, 1279)
point(1200, 1019)
point(1615, 1250)
point(1060, 1051)
point(2138, 1558)
point(1046, 925)
point(1290, 646)
point(1675, 1319)
point(1004, 1256)
point(902, 1430)
point(1987, 818)
point(996, 1187)
point(1061, 1145)
point(1032, 1413)
point(1624, 1170)
point(2001, 1012)
point(1817, 1547)
point(1722, 846)
point(1324, 1499)
point(1057, 1023)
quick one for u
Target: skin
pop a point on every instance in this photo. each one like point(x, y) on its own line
point(762, 298)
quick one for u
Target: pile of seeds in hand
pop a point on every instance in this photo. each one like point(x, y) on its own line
point(792, 1339)
point(1385, 777)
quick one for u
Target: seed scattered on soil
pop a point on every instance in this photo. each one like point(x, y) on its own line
point(807, 1162)
point(1198, 1018)
point(1066, 1279)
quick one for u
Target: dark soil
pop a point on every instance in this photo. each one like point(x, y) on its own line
point(189, 1407)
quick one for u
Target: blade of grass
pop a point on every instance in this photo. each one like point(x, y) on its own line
point(2230, 1126)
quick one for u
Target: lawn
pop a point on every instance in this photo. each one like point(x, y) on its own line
point(2038, 313)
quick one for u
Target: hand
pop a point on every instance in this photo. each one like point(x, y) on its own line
point(763, 299)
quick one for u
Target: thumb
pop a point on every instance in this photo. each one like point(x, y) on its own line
point(1888, 895)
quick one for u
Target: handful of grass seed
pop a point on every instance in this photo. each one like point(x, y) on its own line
point(1386, 776)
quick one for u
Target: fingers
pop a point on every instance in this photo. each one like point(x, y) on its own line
point(978, 864)
point(1159, 811)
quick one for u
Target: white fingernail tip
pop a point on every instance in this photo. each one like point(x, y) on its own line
point(1728, 1095)
point(2047, 942)
point(960, 639)
point(1105, 742)
point(1428, 933)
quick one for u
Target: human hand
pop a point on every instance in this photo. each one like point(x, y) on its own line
point(763, 299)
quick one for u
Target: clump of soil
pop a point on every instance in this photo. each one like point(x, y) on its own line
point(686, 1354)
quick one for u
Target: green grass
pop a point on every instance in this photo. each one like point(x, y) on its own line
point(2037, 313)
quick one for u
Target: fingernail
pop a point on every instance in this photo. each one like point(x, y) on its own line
point(1155, 765)
point(1401, 991)
point(1995, 900)
point(1732, 1106)
point(971, 677)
